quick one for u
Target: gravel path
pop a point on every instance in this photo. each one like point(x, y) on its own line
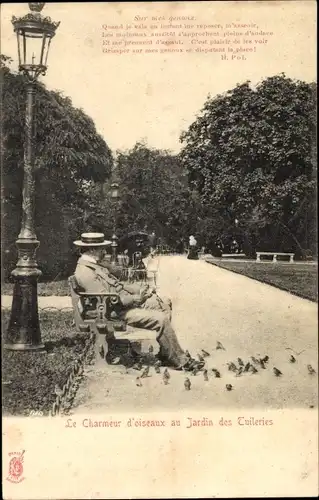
point(249, 318)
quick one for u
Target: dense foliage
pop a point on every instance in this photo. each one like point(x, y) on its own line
point(247, 170)
point(69, 156)
point(251, 156)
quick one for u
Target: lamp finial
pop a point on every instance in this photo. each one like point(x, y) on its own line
point(36, 6)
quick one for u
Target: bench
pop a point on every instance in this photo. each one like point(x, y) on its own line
point(275, 255)
point(97, 313)
point(94, 312)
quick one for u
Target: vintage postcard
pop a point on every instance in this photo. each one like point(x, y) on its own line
point(159, 250)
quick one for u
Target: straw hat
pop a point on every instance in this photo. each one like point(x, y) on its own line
point(92, 240)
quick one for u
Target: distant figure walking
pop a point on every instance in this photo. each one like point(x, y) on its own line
point(193, 250)
point(152, 241)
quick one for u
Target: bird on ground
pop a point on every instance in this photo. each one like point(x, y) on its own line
point(240, 362)
point(187, 384)
point(311, 370)
point(254, 360)
point(277, 372)
point(247, 367)
point(253, 369)
point(200, 357)
point(219, 345)
point(116, 361)
point(151, 349)
point(194, 371)
point(262, 364)
point(232, 367)
point(101, 351)
point(57, 390)
point(240, 371)
point(166, 374)
point(265, 359)
point(187, 354)
point(205, 373)
point(138, 382)
point(205, 353)
point(158, 363)
point(292, 359)
point(216, 372)
point(157, 369)
point(145, 372)
point(229, 387)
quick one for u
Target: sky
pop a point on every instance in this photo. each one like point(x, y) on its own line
point(155, 97)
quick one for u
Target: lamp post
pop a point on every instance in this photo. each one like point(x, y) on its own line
point(115, 196)
point(34, 34)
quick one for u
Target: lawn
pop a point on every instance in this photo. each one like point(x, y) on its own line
point(298, 279)
point(60, 288)
point(29, 378)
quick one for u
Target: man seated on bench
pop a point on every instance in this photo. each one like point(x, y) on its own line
point(135, 308)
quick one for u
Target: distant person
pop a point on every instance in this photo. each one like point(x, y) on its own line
point(192, 250)
point(152, 240)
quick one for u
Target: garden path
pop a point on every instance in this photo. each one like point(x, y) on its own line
point(249, 318)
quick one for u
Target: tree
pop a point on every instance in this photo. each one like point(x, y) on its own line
point(69, 156)
point(154, 193)
point(251, 155)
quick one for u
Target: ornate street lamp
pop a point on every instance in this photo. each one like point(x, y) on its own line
point(34, 34)
point(115, 196)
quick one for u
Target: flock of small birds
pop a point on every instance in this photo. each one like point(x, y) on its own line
point(239, 367)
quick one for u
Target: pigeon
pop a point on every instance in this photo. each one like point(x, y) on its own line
point(138, 382)
point(240, 362)
point(311, 370)
point(194, 371)
point(229, 387)
point(292, 359)
point(254, 360)
point(265, 359)
point(116, 360)
point(240, 371)
point(187, 384)
point(187, 354)
point(277, 372)
point(247, 367)
point(158, 363)
point(205, 353)
point(151, 349)
point(145, 372)
point(205, 373)
point(157, 369)
point(217, 373)
point(253, 369)
point(262, 364)
point(166, 374)
point(232, 367)
point(219, 345)
point(200, 357)
point(101, 351)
